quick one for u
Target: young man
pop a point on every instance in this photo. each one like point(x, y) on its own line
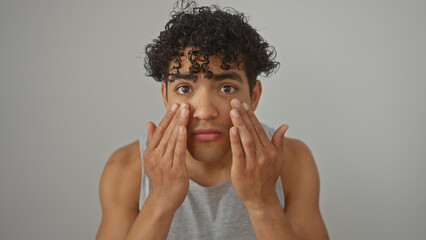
point(210, 170)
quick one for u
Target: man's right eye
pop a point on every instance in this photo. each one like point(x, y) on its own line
point(183, 89)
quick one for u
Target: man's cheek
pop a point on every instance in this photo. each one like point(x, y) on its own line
point(227, 121)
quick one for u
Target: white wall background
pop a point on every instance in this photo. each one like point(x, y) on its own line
point(351, 86)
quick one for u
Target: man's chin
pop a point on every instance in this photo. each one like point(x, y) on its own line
point(208, 153)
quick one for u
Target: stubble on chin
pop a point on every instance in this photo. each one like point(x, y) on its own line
point(209, 152)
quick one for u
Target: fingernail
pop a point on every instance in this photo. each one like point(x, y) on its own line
point(174, 107)
point(246, 107)
point(235, 113)
point(184, 105)
point(183, 112)
point(236, 103)
point(234, 131)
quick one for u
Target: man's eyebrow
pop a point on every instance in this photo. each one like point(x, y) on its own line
point(216, 77)
point(228, 75)
point(184, 76)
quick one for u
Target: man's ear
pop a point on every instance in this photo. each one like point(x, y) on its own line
point(255, 94)
point(164, 93)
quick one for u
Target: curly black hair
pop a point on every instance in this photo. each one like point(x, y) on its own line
point(208, 30)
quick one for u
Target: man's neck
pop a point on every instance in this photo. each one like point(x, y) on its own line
point(209, 174)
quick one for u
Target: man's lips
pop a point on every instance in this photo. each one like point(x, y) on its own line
point(206, 134)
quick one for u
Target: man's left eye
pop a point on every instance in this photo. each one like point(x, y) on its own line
point(227, 89)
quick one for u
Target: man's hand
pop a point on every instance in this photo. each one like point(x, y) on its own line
point(256, 161)
point(164, 159)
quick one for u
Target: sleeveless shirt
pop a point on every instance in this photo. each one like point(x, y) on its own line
point(209, 212)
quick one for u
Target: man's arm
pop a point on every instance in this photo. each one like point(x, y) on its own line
point(164, 163)
point(301, 184)
point(119, 194)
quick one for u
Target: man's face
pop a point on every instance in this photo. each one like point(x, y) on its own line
point(209, 101)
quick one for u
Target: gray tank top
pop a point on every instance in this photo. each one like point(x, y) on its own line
point(209, 212)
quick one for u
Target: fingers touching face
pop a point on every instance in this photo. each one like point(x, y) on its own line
point(244, 119)
point(176, 116)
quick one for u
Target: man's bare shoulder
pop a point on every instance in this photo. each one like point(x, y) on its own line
point(126, 157)
point(295, 148)
point(121, 179)
point(300, 172)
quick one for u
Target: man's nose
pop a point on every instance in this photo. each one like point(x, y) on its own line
point(203, 106)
